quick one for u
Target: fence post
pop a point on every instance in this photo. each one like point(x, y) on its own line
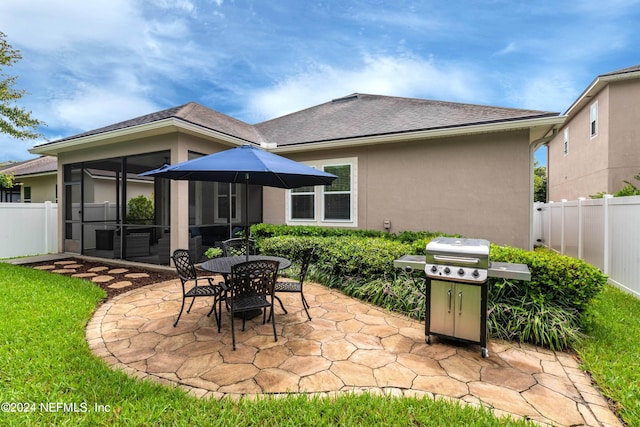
point(562, 243)
point(47, 214)
point(580, 231)
point(549, 216)
point(607, 238)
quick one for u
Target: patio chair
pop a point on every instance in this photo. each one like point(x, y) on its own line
point(291, 287)
point(187, 273)
point(238, 246)
point(250, 290)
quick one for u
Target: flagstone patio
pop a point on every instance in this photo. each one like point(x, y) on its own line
point(347, 346)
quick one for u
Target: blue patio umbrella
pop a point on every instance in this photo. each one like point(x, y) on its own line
point(248, 165)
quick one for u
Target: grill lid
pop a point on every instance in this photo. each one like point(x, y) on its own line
point(458, 252)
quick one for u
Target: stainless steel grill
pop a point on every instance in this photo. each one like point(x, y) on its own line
point(456, 286)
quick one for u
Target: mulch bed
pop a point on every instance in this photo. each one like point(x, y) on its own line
point(83, 266)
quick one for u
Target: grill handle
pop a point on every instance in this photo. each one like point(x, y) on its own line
point(461, 260)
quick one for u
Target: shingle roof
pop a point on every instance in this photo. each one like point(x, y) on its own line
point(41, 164)
point(356, 115)
point(359, 115)
point(190, 113)
point(622, 71)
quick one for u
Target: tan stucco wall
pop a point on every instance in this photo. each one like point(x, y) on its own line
point(604, 162)
point(43, 188)
point(624, 134)
point(583, 171)
point(477, 186)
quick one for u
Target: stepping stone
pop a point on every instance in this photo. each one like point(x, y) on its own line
point(120, 285)
point(84, 275)
point(136, 275)
point(72, 266)
point(64, 271)
point(64, 262)
point(45, 267)
point(97, 269)
point(117, 271)
point(102, 279)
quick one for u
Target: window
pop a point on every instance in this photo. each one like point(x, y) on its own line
point(303, 203)
point(337, 196)
point(594, 119)
point(566, 141)
point(27, 194)
point(334, 204)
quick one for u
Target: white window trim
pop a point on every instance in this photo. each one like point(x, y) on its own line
point(319, 197)
point(591, 108)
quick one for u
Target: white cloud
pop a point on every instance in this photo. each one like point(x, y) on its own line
point(60, 24)
point(381, 75)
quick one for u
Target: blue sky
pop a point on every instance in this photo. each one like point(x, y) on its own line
point(87, 64)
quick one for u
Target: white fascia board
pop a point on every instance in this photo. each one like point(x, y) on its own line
point(595, 87)
point(149, 129)
point(425, 134)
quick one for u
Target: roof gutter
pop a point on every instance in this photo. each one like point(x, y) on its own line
point(423, 134)
point(159, 127)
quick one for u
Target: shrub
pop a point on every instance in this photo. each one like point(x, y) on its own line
point(546, 311)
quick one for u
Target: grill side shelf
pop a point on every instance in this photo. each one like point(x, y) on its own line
point(411, 263)
point(507, 270)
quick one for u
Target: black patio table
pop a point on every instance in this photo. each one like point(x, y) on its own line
point(223, 266)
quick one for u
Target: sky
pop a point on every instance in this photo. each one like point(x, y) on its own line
point(88, 64)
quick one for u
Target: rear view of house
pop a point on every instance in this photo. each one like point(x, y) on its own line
point(402, 163)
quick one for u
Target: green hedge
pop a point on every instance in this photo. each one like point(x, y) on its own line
point(545, 311)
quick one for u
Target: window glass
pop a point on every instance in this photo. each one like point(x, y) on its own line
point(594, 119)
point(337, 196)
point(303, 203)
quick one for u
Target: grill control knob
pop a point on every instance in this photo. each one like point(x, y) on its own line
point(447, 270)
point(461, 272)
point(475, 273)
point(434, 269)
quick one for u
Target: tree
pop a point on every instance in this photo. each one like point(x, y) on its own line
point(6, 180)
point(539, 183)
point(14, 120)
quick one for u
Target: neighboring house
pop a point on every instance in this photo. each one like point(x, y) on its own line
point(598, 147)
point(34, 181)
point(403, 164)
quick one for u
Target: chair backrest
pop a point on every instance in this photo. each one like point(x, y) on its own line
point(239, 246)
point(253, 278)
point(307, 255)
point(184, 266)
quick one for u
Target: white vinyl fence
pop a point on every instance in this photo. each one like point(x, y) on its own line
point(28, 229)
point(603, 232)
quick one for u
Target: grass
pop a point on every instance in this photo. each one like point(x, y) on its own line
point(612, 352)
point(45, 363)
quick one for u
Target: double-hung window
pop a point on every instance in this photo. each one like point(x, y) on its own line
point(326, 205)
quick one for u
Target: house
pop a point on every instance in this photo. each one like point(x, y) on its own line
point(403, 164)
point(34, 181)
point(597, 148)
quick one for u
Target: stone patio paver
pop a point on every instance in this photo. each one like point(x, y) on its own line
point(347, 346)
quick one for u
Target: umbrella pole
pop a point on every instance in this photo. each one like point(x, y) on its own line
point(246, 217)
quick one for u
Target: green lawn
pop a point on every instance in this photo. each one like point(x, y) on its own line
point(612, 353)
point(48, 376)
